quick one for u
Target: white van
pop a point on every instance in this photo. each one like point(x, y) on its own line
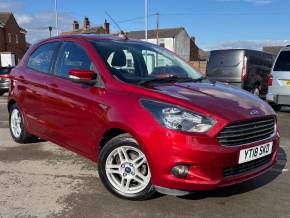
point(279, 81)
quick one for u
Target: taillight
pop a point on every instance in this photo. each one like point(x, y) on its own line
point(270, 80)
point(244, 68)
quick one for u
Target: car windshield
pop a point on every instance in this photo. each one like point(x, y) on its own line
point(140, 63)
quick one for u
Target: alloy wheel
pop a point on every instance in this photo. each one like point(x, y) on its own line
point(127, 170)
point(16, 123)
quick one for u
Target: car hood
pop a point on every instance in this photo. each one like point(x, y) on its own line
point(226, 101)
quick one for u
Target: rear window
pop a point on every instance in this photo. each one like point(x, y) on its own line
point(260, 59)
point(225, 58)
point(283, 62)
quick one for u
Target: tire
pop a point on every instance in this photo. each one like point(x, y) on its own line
point(276, 107)
point(17, 127)
point(123, 179)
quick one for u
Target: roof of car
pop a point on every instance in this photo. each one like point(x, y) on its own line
point(240, 49)
point(95, 37)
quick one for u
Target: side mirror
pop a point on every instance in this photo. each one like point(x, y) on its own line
point(83, 76)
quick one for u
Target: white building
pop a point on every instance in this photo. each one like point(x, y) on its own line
point(174, 39)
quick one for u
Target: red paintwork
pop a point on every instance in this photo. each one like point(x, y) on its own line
point(76, 117)
point(82, 74)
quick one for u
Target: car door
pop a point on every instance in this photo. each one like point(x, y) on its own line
point(32, 83)
point(73, 112)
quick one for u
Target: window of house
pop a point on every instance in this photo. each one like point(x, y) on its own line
point(72, 56)
point(162, 45)
point(41, 58)
point(16, 39)
point(9, 38)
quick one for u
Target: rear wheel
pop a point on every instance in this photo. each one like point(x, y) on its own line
point(17, 127)
point(124, 170)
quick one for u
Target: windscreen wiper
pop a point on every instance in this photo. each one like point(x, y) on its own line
point(159, 80)
point(171, 79)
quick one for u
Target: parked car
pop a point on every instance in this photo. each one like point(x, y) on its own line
point(4, 80)
point(279, 81)
point(159, 126)
point(247, 69)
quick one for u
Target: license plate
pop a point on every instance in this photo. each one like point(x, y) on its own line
point(288, 83)
point(256, 152)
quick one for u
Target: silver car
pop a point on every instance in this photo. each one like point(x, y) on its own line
point(279, 81)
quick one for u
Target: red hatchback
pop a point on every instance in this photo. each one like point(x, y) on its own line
point(148, 118)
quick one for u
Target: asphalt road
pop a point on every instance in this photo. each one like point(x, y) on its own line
point(44, 180)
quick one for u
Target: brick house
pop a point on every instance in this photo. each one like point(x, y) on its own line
point(12, 37)
point(87, 29)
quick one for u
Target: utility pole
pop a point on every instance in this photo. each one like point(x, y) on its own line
point(56, 17)
point(157, 28)
point(146, 20)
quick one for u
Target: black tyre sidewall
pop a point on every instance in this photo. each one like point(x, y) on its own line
point(124, 139)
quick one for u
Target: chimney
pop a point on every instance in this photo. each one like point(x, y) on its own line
point(76, 25)
point(192, 38)
point(107, 27)
point(86, 23)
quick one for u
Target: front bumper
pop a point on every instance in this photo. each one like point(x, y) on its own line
point(207, 160)
point(278, 99)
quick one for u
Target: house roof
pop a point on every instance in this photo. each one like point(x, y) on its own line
point(92, 30)
point(152, 34)
point(4, 16)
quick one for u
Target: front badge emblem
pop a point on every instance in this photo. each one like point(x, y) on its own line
point(254, 112)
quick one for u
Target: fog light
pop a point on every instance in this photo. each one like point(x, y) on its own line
point(180, 171)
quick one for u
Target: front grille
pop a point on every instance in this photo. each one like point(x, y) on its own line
point(246, 132)
point(247, 167)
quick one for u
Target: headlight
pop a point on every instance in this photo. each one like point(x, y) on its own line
point(177, 118)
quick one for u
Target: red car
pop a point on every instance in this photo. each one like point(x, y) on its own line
point(149, 119)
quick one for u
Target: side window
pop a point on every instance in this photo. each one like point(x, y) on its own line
point(156, 62)
point(41, 58)
point(72, 56)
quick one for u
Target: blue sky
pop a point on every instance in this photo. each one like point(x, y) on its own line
point(214, 23)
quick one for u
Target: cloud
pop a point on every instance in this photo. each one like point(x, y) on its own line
point(249, 44)
point(39, 30)
point(9, 6)
point(37, 24)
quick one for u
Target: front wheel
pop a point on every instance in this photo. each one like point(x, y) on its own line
point(124, 170)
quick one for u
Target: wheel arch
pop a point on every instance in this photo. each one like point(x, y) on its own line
point(115, 130)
